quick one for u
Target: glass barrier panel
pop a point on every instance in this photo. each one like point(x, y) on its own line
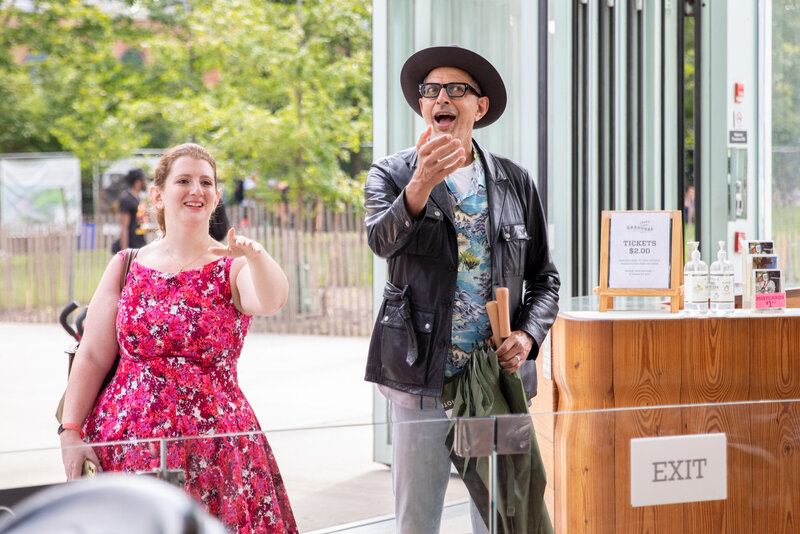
point(328, 473)
point(335, 485)
point(723, 467)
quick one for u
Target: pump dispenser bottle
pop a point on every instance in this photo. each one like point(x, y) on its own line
point(720, 285)
point(695, 283)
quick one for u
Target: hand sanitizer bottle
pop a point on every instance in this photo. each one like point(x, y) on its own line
point(695, 283)
point(720, 285)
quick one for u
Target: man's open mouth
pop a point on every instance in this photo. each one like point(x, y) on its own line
point(444, 118)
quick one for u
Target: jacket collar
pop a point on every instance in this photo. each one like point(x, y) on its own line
point(490, 165)
point(496, 189)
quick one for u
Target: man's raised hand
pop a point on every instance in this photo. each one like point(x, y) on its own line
point(436, 158)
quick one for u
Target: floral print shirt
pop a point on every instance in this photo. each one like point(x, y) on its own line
point(474, 283)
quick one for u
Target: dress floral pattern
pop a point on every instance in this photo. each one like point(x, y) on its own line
point(180, 337)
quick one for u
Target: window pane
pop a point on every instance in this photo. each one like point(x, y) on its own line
point(494, 29)
point(786, 136)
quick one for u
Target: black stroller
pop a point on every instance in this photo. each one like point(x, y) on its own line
point(77, 332)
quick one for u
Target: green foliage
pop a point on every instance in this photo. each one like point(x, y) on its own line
point(70, 94)
point(279, 88)
point(785, 100)
point(689, 82)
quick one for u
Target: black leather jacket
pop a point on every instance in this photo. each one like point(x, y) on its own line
point(412, 332)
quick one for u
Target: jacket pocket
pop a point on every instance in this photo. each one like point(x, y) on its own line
point(395, 343)
point(516, 238)
point(430, 237)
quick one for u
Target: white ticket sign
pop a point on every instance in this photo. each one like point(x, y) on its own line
point(639, 250)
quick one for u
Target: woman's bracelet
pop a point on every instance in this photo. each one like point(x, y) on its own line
point(70, 426)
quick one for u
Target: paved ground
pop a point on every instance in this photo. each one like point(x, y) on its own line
point(308, 393)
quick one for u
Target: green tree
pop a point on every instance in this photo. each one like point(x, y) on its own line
point(294, 90)
point(69, 93)
point(279, 88)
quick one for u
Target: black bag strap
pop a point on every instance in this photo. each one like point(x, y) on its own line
point(127, 258)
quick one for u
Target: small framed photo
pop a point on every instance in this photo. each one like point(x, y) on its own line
point(760, 247)
point(767, 281)
point(764, 261)
point(768, 292)
point(758, 255)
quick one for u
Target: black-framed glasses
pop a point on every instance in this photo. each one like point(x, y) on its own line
point(454, 90)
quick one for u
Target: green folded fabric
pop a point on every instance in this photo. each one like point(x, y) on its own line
point(482, 389)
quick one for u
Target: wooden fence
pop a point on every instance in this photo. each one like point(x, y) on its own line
point(324, 255)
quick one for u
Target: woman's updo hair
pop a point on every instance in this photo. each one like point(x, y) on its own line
point(165, 166)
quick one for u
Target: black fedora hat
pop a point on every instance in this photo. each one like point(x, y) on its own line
point(419, 64)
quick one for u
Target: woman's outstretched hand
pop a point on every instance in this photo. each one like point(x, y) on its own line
point(238, 246)
point(259, 284)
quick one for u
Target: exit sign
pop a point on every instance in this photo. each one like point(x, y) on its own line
point(676, 469)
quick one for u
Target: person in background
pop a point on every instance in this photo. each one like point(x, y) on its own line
point(454, 221)
point(178, 326)
point(130, 236)
point(688, 205)
point(248, 185)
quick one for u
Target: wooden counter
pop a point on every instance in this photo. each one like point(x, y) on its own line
point(634, 359)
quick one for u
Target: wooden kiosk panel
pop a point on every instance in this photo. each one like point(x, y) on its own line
point(543, 406)
point(603, 361)
point(644, 375)
point(774, 365)
point(716, 351)
point(644, 369)
point(775, 374)
point(776, 468)
point(734, 514)
point(590, 370)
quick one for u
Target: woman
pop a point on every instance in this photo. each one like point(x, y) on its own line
point(178, 326)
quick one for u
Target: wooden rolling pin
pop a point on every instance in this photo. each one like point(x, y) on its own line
point(504, 322)
point(498, 316)
point(491, 309)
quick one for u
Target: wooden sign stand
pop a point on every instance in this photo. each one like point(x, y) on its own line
point(676, 266)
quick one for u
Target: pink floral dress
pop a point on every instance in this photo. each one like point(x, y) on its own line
point(180, 337)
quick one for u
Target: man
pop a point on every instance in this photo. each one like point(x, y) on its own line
point(454, 222)
point(130, 236)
